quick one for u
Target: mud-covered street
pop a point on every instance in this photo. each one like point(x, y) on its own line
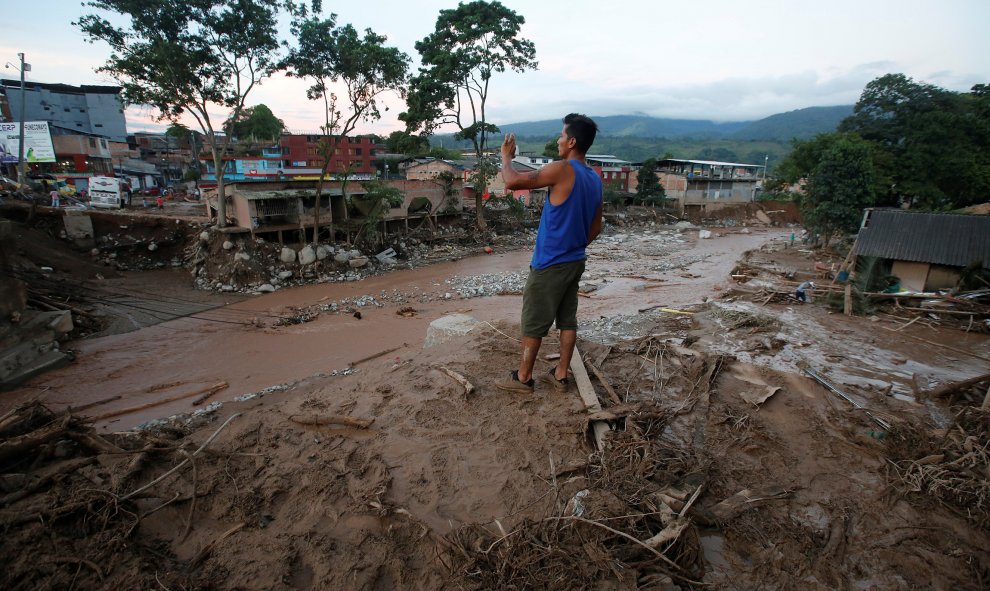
point(255, 344)
point(325, 447)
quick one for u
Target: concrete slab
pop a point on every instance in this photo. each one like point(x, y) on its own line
point(444, 329)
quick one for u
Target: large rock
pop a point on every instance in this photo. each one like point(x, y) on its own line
point(204, 236)
point(446, 328)
point(266, 288)
point(342, 257)
point(357, 263)
point(323, 251)
point(307, 256)
point(288, 255)
point(704, 234)
point(242, 256)
point(227, 245)
point(763, 217)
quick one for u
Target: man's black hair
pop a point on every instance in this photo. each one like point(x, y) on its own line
point(583, 129)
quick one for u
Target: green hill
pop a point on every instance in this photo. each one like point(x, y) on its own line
point(638, 137)
point(800, 124)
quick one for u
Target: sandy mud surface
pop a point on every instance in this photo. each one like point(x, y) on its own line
point(357, 459)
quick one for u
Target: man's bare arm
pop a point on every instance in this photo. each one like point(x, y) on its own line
point(547, 176)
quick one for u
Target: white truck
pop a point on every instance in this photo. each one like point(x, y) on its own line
point(107, 191)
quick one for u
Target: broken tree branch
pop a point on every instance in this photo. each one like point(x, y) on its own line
point(184, 462)
point(129, 410)
point(947, 389)
point(468, 387)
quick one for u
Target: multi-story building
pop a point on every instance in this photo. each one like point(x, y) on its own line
point(297, 157)
point(696, 184)
point(614, 171)
point(93, 110)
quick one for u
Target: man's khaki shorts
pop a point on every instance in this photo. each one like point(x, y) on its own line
point(551, 296)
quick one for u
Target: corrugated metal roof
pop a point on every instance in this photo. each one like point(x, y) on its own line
point(938, 238)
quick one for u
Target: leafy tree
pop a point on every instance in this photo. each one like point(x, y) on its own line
point(256, 123)
point(444, 154)
point(550, 150)
point(184, 57)
point(931, 143)
point(717, 154)
point(332, 57)
point(840, 186)
point(648, 187)
point(403, 142)
point(471, 43)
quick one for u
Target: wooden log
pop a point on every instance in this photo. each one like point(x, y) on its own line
point(94, 442)
point(947, 389)
point(16, 446)
point(952, 312)
point(131, 409)
point(317, 420)
point(49, 475)
point(587, 393)
point(75, 409)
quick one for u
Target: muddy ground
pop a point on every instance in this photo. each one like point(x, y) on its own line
point(726, 466)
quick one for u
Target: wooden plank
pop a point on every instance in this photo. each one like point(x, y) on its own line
point(608, 387)
point(587, 393)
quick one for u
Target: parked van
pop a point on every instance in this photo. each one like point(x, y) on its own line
point(107, 191)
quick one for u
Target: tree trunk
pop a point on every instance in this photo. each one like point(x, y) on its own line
point(479, 205)
point(221, 195)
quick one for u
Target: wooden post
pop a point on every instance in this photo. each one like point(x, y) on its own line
point(848, 305)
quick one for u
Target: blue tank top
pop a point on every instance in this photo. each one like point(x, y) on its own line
point(563, 233)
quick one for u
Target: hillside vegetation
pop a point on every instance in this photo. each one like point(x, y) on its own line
point(638, 137)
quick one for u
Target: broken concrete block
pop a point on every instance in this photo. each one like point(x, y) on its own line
point(79, 228)
point(227, 244)
point(704, 234)
point(307, 256)
point(288, 255)
point(357, 263)
point(446, 328)
point(204, 236)
point(61, 323)
point(283, 275)
point(242, 256)
point(266, 288)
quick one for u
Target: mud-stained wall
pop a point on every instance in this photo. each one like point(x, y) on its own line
point(779, 212)
point(941, 277)
point(913, 276)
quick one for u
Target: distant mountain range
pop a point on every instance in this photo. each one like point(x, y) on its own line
point(800, 124)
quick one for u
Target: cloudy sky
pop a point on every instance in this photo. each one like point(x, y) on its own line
point(724, 60)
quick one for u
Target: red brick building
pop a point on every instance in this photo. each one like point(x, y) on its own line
point(298, 157)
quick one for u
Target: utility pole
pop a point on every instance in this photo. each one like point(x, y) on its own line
point(766, 159)
point(21, 175)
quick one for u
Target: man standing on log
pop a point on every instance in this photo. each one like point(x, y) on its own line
point(572, 218)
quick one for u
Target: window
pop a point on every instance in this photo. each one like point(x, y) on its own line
point(66, 109)
point(98, 125)
point(357, 151)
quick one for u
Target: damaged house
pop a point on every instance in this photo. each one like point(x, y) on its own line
point(276, 209)
point(926, 251)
